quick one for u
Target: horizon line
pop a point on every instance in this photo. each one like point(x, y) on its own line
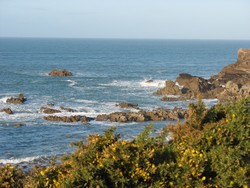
point(119, 38)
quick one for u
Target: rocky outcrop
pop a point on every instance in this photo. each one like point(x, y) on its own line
point(7, 111)
point(141, 116)
point(238, 72)
point(170, 89)
point(127, 105)
point(17, 100)
point(60, 73)
point(231, 83)
point(47, 110)
point(69, 119)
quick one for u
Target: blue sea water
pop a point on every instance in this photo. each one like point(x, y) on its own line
point(105, 72)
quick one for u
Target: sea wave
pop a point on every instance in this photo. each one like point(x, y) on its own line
point(19, 160)
point(72, 82)
point(152, 83)
point(86, 101)
point(136, 83)
point(4, 99)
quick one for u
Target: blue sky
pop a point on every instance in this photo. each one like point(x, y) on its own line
point(153, 19)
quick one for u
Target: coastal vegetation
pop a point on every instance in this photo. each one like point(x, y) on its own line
point(210, 148)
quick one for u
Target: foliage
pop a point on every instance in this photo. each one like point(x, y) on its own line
point(11, 176)
point(210, 149)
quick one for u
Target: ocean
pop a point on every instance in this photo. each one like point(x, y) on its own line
point(105, 72)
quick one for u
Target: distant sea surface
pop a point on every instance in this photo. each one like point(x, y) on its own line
point(105, 72)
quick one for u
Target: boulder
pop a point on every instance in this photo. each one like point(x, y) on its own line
point(138, 116)
point(193, 84)
point(7, 111)
point(17, 100)
point(170, 89)
point(47, 110)
point(60, 73)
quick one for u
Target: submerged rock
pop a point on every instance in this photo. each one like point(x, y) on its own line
point(7, 111)
point(47, 110)
point(60, 73)
point(127, 105)
point(18, 125)
point(17, 100)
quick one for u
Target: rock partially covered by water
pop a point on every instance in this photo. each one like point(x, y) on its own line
point(47, 110)
point(17, 100)
point(69, 119)
point(141, 116)
point(7, 111)
point(60, 73)
point(127, 105)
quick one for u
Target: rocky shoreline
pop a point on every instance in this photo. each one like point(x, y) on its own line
point(232, 83)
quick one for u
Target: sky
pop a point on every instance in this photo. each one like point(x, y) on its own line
point(139, 19)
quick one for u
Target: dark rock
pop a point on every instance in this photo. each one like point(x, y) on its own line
point(170, 89)
point(50, 104)
point(47, 110)
point(149, 81)
point(69, 119)
point(194, 84)
point(7, 111)
point(85, 120)
point(60, 73)
point(17, 100)
point(127, 105)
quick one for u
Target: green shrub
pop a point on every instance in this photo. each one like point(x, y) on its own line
point(210, 149)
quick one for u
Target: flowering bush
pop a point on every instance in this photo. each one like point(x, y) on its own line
point(210, 149)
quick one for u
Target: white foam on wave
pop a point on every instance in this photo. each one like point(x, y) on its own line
point(85, 101)
point(119, 83)
point(18, 160)
point(72, 82)
point(152, 83)
point(136, 83)
point(177, 84)
point(4, 99)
